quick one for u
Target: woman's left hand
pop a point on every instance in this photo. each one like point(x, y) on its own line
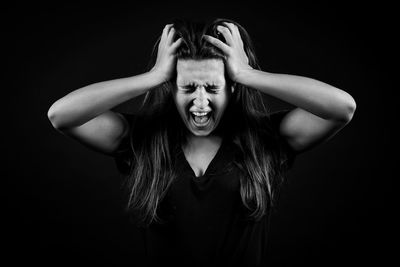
point(236, 58)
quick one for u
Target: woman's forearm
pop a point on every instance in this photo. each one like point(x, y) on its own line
point(321, 99)
point(82, 105)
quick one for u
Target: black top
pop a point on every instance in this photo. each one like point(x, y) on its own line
point(206, 223)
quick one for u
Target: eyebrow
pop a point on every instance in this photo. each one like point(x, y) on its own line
point(196, 84)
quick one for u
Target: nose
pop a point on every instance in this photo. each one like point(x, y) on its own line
point(201, 98)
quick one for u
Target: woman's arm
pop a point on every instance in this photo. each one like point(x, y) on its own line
point(85, 115)
point(321, 99)
point(322, 110)
point(84, 104)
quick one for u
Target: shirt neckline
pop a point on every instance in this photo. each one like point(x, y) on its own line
point(212, 167)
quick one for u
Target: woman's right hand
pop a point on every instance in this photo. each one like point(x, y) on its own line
point(166, 61)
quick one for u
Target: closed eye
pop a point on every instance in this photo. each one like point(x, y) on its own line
point(190, 88)
point(212, 88)
point(209, 88)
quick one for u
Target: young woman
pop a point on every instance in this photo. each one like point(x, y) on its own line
point(203, 157)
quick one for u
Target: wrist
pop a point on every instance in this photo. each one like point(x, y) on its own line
point(158, 76)
point(243, 75)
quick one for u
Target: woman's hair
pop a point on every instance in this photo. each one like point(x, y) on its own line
point(153, 145)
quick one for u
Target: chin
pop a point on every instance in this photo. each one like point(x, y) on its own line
point(201, 133)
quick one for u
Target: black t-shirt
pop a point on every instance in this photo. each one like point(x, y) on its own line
point(206, 223)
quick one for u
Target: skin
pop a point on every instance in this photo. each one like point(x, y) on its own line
point(321, 109)
point(85, 114)
point(201, 87)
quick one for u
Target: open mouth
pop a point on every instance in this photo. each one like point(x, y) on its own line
point(201, 119)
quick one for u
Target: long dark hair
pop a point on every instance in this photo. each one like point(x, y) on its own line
point(260, 160)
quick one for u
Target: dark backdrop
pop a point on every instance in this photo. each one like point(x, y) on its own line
point(63, 200)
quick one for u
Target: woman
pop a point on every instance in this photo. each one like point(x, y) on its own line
point(203, 158)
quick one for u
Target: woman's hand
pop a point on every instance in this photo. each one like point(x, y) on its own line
point(236, 58)
point(166, 61)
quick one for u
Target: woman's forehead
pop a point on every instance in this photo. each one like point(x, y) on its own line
point(200, 71)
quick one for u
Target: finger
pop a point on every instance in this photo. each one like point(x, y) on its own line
point(170, 36)
point(164, 33)
point(226, 33)
point(234, 30)
point(176, 44)
point(217, 43)
point(167, 29)
point(229, 26)
point(168, 26)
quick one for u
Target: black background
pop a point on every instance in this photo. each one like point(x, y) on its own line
point(63, 201)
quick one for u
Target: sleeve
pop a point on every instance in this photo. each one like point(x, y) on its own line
point(123, 154)
point(289, 154)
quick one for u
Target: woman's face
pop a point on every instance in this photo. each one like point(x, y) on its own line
point(201, 94)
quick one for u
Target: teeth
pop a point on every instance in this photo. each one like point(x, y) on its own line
point(200, 113)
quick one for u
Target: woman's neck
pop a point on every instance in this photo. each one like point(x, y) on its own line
point(195, 143)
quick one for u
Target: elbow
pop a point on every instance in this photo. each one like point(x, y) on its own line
point(352, 108)
point(53, 116)
point(348, 109)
